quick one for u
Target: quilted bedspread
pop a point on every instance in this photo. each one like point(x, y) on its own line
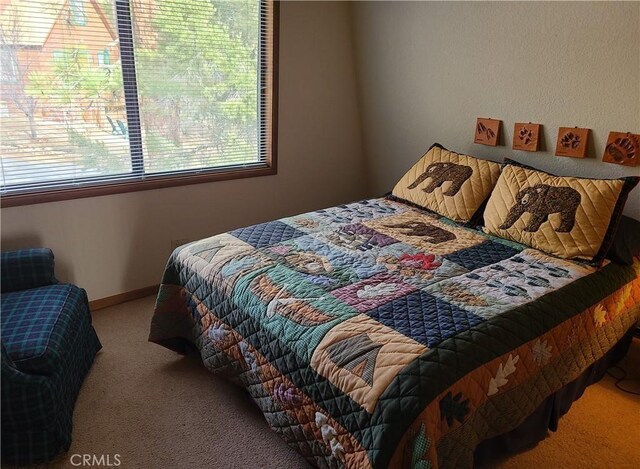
point(377, 335)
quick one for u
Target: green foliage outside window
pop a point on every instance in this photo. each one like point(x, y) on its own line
point(197, 73)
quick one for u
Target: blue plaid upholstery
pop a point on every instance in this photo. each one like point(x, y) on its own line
point(48, 346)
point(27, 268)
point(38, 323)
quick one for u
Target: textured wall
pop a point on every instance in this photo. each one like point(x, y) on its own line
point(426, 70)
point(121, 242)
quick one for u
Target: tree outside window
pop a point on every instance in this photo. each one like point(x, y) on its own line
point(152, 89)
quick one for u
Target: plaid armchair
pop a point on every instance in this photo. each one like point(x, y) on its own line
point(48, 345)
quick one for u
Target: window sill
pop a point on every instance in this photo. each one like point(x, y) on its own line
point(158, 182)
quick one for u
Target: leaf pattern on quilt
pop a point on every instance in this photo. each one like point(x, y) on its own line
point(453, 408)
point(599, 315)
point(541, 352)
point(286, 395)
point(421, 261)
point(504, 370)
point(421, 445)
point(248, 355)
point(411, 265)
point(375, 291)
point(329, 436)
point(218, 333)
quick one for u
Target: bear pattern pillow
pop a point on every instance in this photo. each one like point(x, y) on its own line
point(568, 217)
point(448, 183)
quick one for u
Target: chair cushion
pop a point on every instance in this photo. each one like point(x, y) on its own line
point(38, 324)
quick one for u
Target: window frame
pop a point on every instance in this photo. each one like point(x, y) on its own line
point(141, 182)
point(77, 13)
point(104, 59)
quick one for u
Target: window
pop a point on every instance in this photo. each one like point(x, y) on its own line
point(76, 13)
point(7, 66)
point(154, 94)
point(58, 56)
point(103, 58)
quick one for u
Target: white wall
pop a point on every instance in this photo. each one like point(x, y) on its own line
point(426, 70)
point(119, 243)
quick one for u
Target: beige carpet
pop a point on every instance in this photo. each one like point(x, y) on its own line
point(159, 410)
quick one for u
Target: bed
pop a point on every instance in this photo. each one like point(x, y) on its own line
point(376, 334)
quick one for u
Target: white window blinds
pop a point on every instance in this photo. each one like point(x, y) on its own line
point(101, 91)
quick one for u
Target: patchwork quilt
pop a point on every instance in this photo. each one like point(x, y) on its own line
point(375, 334)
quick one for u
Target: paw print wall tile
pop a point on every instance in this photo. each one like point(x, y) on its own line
point(487, 131)
point(622, 148)
point(526, 137)
point(572, 141)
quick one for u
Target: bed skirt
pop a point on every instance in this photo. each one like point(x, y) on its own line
point(536, 427)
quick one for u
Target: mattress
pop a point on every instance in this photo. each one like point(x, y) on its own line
point(375, 334)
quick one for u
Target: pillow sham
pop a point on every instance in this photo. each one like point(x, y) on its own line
point(568, 217)
point(448, 183)
point(626, 242)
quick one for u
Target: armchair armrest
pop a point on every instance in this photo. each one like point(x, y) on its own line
point(27, 268)
point(6, 362)
point(27, 399)
point(10, 370)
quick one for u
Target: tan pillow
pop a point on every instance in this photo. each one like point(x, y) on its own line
point(448, 183)
point(567, 217)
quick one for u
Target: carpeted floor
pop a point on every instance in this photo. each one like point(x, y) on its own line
point(156, 409)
